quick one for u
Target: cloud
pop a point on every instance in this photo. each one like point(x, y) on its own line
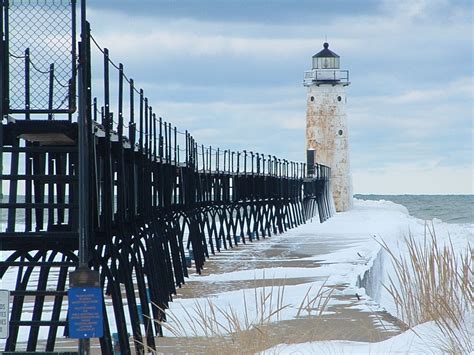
point(236, 81)
point(459, 87)
point(239, 11)
point(206, 134)
point(174, 43)
point(409, 179)
point(416, 114)
point(413, 9)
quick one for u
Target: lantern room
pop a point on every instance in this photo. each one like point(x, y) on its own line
point(326, 69)
point(326, 59)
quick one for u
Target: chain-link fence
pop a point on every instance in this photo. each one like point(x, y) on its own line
point(45, 28)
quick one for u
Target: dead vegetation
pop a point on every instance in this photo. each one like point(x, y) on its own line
point(433, 283)
point(242, 328)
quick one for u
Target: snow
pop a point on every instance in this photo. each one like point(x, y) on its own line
point(345, 248)
point(422, 339)
point(269, 273)
point(390, 223)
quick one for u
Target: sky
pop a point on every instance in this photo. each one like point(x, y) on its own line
point(231, 72)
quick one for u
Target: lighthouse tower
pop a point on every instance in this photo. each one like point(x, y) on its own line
point(326, 122)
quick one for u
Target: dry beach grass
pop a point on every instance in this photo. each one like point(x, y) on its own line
point(244, 328)
point(434, 284)
point(430, 283)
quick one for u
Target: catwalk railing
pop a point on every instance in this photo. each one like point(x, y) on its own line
point(151, 196)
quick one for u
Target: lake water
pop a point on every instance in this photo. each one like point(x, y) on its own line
point(448, 208)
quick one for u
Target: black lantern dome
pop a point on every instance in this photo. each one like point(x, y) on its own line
point(326, 59)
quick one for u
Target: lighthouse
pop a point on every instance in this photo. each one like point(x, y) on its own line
point(327, 139)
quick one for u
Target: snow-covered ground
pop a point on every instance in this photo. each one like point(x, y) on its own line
point(341, 251)
point(383, 220)
point(346, 248)
point(420, 340)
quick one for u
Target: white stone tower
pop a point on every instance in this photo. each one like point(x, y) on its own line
point(326, 122)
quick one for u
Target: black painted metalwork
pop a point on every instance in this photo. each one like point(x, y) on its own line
point(40, 33)
point(148, 196)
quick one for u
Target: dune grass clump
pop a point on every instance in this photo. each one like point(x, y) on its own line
point(243, 328)
point(316, 304)
point(211, 320)
point(434, 283)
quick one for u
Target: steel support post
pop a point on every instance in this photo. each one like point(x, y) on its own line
point(3, 79)
point(83, 151)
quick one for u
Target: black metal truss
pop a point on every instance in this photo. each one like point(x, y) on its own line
point(153, 195)
point(147, 212)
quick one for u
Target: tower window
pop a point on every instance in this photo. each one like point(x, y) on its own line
point(339, 98)
point(312, 98)
point(340, 132)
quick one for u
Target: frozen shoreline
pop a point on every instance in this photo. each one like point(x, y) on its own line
point(353, 251)
point(423, 338)
point(345, 248)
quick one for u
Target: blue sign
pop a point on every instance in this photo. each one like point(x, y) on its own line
point(140, 314)
point(86, 318)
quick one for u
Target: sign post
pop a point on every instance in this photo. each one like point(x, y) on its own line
point(86, 318)
point(4, 313)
